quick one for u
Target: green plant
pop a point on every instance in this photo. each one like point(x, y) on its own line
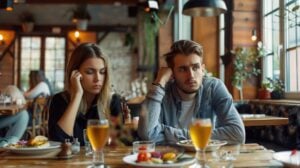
point(276, 84)
point(245, 65)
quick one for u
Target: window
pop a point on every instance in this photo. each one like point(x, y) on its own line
point(51, 59)
point(281, 30)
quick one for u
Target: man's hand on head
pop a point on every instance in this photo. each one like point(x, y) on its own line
point(163, 76)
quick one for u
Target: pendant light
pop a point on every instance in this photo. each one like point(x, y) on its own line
point(204, 7)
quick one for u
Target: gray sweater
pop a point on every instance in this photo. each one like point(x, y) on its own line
point(159, 118)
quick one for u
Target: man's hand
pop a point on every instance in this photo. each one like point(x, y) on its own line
point(163, 76)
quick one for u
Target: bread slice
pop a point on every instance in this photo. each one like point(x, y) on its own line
point(39, 141)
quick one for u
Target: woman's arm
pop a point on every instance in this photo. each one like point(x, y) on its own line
point(67, 120)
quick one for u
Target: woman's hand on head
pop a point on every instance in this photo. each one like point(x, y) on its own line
point(75, 80)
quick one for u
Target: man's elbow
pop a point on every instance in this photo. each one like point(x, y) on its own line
point(145, 135)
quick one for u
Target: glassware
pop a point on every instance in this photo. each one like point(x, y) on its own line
point(87, 144)
point(98, 133)
point(200, 132)
point(143, 146)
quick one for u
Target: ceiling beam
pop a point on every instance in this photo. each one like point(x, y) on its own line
point(122, 2)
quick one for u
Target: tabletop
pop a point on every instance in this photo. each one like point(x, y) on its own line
point(263, 120)
point(10, 109)
point(250, 155)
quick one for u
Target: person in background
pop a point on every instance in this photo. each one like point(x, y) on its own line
point(14, 125)
point(170, 105)
point(39, 85)
point(87, 95)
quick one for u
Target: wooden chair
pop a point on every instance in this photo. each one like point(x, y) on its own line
point(39, 118)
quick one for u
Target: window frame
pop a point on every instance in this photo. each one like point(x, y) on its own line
point(283, 47)
point(42, 50)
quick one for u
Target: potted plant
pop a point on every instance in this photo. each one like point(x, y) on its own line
point(264, 92)
point(245, 65)
point(27, 20)
point(277, 87)
point(81, 16)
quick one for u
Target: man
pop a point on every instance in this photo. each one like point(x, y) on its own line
point(15, 125)
point(170, 105)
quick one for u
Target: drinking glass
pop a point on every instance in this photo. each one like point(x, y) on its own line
point(98, 133)
point(87, 144)
point(200, 132)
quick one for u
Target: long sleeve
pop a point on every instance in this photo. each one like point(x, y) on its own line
point(57, 107)
point(41, 88)
point(229, 125)
point(151, 126)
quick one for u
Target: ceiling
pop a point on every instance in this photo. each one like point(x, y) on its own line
point(127, 2)
point(107, 2)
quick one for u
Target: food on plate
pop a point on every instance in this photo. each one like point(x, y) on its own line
point(38, 141)
point(170, 156)
point(156, 157)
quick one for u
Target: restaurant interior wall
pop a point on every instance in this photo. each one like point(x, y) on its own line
point(243, 18)
point(114, 20)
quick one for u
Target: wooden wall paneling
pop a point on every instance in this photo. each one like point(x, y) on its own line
point(248, 5)
point(245, 17)
point(7, 58)
point(205, 31)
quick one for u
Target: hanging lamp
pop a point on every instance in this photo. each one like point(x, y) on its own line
point(204, 7)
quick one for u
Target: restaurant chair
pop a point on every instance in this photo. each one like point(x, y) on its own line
point(40, 116)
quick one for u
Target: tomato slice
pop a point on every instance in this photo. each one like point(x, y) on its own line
point(143, 156)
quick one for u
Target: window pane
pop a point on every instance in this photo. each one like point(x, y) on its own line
point(55, 58)
point(30, 58)
point(292, 71)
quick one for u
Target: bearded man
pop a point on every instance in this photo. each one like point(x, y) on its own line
point(182, 92)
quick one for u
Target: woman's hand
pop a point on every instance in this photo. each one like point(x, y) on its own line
point(76, 88)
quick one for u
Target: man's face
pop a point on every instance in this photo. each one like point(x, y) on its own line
point(188, 72)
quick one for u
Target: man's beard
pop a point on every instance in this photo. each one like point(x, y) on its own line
point(186, 91)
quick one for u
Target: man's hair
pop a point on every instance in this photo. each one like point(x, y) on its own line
point(185, 47)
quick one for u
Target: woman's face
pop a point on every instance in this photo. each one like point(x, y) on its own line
point(93, 73)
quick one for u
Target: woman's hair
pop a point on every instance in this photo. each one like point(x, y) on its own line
point(185, 47)
point(80, 54)
point(37, 76)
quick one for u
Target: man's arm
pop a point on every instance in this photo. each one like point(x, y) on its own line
point(150, 127)
point(229, 125)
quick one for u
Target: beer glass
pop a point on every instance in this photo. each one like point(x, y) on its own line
point(200, 132)
point(98, 133)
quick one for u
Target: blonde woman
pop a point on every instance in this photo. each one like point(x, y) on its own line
point(87, 94)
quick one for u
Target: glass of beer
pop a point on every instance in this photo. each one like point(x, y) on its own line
point(98, 133)
point(200, 132)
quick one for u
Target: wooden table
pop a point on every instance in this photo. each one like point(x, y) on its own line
point(251, 155)
point(10, 109)
point(264, 121)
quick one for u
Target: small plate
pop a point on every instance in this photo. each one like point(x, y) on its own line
point(286, 158)
point(212, 146)
point(131, 159)
point(53, 148)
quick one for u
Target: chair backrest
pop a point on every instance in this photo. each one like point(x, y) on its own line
point(39, 117)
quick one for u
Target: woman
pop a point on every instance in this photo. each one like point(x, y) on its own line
point(39, 85)
point(87, 95)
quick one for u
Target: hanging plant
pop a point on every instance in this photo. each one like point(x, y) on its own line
point(151, 26)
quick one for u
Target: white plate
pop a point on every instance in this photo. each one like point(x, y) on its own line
point(131, 159)
point(288, 160)
point(53, 148)
point(212, 146)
